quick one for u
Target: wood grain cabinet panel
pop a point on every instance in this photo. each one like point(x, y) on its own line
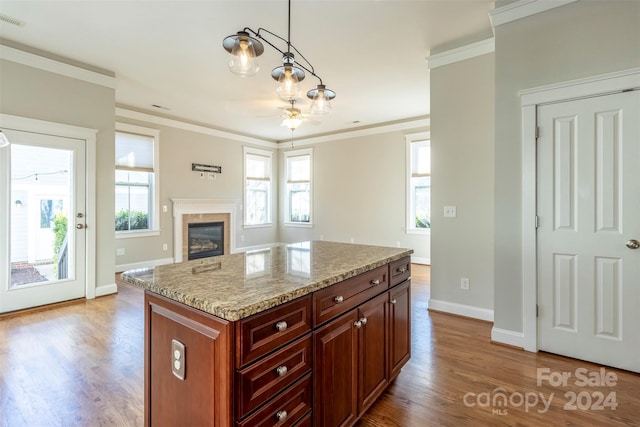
point(339, 298)
point(399, 270)
point(286, 409)
point(372, 351)
point(264, 379)
point(399, 328)
point(335, 370)
point(203, 397)
point(264, 332)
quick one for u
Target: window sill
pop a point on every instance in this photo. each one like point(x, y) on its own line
point(423, 231)
point(132, 234)
point(298, 224)
point(268, 224)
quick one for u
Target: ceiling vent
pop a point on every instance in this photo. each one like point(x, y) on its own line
point(10, 20)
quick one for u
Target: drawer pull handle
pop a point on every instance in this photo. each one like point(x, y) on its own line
point(281, 326)
point(393, 301)
point(375, 282)
point(339, 299)
point(401, 270)
point(282, 370)
point(281, 415)
point(363, 321)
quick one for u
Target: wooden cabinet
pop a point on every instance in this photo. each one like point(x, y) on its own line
point(322, 359)
point(372, 351)
point(206, 362)
point(399, 328)
point(335, 370)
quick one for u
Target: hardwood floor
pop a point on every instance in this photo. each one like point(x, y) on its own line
point(81, 364)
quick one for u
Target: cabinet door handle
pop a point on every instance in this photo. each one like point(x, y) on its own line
point(281, 326)
point(281, 415)
point(281, 371)
point(339, 299)
point(357, 324)
point(363, 321)
point(393, 301)
point(401, 270)
point(375, 282)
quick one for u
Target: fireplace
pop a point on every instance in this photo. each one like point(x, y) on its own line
point(205, 239)
point(198, 211)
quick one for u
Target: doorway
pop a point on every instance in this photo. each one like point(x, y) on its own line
point(43, 244)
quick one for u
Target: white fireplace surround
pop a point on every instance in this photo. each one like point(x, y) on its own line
point(183, 207)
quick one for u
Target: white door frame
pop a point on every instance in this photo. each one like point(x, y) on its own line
point(26, 124)
point(529, 100)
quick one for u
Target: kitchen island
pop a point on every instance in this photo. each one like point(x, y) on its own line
point(294, 335)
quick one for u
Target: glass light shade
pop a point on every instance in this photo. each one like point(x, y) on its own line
point(292, 122)
point(288, 88)
point(243, 58)
point(320, 104)
point(4, 141)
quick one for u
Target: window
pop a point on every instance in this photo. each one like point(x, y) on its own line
point(418, 183)
point(257, 187)
point(136, 180)
point(298, 173)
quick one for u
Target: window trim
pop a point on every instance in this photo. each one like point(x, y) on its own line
point(410, 222)
point(257, 152)
point(287, 218)
point(154, 229)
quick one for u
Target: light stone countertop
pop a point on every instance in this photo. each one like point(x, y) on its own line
point(236, 286)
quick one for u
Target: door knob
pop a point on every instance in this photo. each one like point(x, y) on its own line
point(80, 226)
point(633, 244)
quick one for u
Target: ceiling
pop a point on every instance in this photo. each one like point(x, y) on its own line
point(169, 53)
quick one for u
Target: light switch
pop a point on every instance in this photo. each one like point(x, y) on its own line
point(450, 212)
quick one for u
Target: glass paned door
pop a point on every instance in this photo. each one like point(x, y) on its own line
point(44, 248)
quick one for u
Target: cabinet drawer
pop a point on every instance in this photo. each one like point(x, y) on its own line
point(264, 332)
point(400, 270)
point(264, 379)
point(286, 409)
point(338, 299)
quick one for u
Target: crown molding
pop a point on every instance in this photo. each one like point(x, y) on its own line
point(461, 53)
point(521, 9)
point(178, 124)
point(374, 130)
point(51, 65)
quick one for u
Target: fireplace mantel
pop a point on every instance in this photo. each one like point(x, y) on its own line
point(182, 207)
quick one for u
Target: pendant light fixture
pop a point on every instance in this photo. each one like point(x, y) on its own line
point(292, 117)
point(245, 47)
point(4, 141)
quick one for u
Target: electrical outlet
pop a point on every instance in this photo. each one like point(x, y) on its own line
point(164, 208)
point(165, 247)
point(119, 251)
point(464, 283)
point(450, 211)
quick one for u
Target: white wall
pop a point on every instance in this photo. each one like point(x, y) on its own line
point(359, 192)
point(462, 150)
point(577, 40)
point(179, 148)
point(34, 93)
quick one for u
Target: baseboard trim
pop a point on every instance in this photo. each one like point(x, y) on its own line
point(461, 310)
point(420, 260)
point(507, 337)
point(109, 289)
point(135, 265)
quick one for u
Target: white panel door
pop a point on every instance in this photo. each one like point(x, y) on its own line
point(588, 193)
point(43, 247)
